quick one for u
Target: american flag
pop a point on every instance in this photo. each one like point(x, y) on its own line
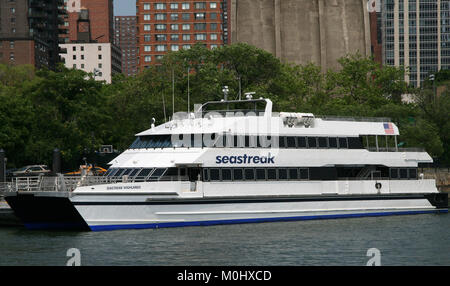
point(388, 128)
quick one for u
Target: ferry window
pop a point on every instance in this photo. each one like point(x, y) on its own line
point(239, 141)
point(304, 174)
point(265, 141)
point(282, 174)
point(333, 142)
point(226, 174)
point(271, 174)
point(205, 175)
point(157, 173)
point(127, 171)
point(214, 174)
point(293, 173)
point(171, 174)
point(290, 142)
point(144, 172)
point(120, 172)
point(403, 173)
point(237, 174)
point(343, 142)
point(394, 173)
point(312, 142)
point(249, 174)
point(355, 143)
point(133, 173)
point(282, 142)
point(110, 171)
point(323, 142)
point(413, 173)
point(252, 142)
point(260, 174)
point(301, 142)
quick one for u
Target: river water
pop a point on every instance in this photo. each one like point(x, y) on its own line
point(401, 240)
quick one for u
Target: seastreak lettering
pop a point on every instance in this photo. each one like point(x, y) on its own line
point(245, 159)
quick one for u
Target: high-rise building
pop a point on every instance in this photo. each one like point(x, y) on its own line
point(89, 43)
point(416, 35)
point(165, 25)
point(89, 18)
point(303, 31)
point(125, 37)
point(376, 34)
point(101, 59)
point(29, 32)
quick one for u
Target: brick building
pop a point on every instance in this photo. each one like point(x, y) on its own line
point(93, 16)
point(29, 32)
point(125, 37)
point(165, 25)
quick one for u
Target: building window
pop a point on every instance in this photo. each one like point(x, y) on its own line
point(11, 56)
point(74, 66)
point(213, 37)
point(186, 27)
point(74, 48)
point(161, 48)
point(160, 27)
point(82, 66)
point(147, 59)
point(186, 37)
point(213, 5)
point(82, 57)
point(147, 38)
point(213, 26)
point(174, 27)
point(147, 48)
point(174, 17)
point(173, 6)
point(160, 16)
point(213, 47)
point(200, 5)
point(147, 6)
point(74, 57)
point(200, 37)
point(147, 17)
point(99, 48)
point(160, 6)
point(199, 26)
point(174, 37)
point(174, 48)
point(82, 48)
point(100, 65)
point(99, 57)
point(186, 47)
point(160, 38)
point(213, 16)
point(185, 16)
point(146, 27)
point(200, 16)
point(185, 6)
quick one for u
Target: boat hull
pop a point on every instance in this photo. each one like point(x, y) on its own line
point(133, 212)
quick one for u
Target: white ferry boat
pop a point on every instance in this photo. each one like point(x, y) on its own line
point(252, 165)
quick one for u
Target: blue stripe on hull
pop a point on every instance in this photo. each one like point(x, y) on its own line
point(256, 220)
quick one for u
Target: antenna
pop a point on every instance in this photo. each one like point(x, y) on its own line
point(164, 107)
point(225, 92)
point(173, 92)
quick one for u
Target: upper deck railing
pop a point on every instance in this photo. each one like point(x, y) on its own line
point(356, 119)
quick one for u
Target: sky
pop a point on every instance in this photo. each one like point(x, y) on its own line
point(124, 7)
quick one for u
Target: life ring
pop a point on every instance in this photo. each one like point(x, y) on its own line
point(378, 186)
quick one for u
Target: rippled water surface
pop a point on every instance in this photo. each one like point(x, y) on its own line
point(402, 240)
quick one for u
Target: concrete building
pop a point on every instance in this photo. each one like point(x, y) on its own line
point(303, 31)
point(416, 34)
point(29, 32)
point(101, 59)
point(125, 37)
point(165, 25)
